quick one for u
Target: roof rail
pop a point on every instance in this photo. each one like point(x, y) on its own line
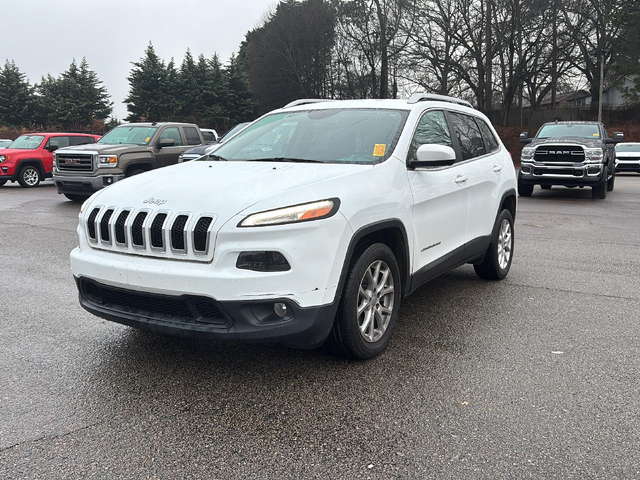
point(305, 101)
point(418, 97)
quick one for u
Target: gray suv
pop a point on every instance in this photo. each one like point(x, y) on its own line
point(125, 151)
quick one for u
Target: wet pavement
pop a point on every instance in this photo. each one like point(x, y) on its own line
point(535, 376)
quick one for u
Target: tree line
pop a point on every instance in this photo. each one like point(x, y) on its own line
point(498, 54)
point(495, 53)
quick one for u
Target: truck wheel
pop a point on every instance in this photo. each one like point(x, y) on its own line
point(611, 182)
point(369, 305)
point(524, 189)
point(600, 191)
point(75, 197)
point(2, 182)
point(497, 261)
point(29, 176)
point(545, 187)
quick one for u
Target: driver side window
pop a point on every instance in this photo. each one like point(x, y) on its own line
point(432, 129)
point(174, 134)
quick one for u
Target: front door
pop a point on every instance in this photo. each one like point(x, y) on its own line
point(169, 155)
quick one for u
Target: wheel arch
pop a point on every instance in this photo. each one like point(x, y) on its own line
point(143, 165)
point(33, 162)
point(509, 202)
point(390, 232)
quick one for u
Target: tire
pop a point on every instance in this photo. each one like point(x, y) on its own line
point(76, 197)
point(497, 260)
point(600, 191)
point(611, 182)
point(29, 176)
point(545, 187)
point(350, 334)
point(524, 189)
point(2, 182)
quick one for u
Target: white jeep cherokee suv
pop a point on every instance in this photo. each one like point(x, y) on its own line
point(310, 225)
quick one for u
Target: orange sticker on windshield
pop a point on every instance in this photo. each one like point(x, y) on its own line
point(379, 149)
point(596, 134)
point(147, 139)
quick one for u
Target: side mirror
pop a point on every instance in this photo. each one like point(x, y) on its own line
point(51, 148)
point(524, 137)
point(617, 138)
point(433, 155)
point(166, 142)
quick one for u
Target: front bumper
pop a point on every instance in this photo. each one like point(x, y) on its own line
point(203, 317)
point(575, 174)
point(83, 185)
point(8, 173)
point(628, 166)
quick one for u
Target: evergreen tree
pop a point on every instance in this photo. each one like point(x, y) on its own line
point(153, 89)
point(214, 87)
point(190, 90)
point(240, 103)
point(16, 97)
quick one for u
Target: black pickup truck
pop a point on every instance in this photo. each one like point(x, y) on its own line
point(571, 154)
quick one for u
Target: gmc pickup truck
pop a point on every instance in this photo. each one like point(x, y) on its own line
point(125, 151)
point(572, 154)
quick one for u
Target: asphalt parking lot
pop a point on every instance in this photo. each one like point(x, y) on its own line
point(537, 376)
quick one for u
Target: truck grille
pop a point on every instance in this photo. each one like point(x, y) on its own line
point(559, 153)
point(68, 162)
point(144, 232)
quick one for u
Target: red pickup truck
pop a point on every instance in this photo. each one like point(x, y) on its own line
point(29, 159)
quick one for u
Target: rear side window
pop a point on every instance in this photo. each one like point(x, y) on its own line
point(59, 142)
point(489, 139)
point(192, 136)
point(432, 129)
point(174, 134)
point(469, 136)
point(81, 140)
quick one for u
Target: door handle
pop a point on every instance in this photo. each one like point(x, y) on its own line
point(461, 178)
point(497, 168)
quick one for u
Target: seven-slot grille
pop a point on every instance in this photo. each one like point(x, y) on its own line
point(143, 232)
point(559, 153)
point(75, 162)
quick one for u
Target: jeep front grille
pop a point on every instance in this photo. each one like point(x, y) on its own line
point(559, 153)
point(157, 234)
point(67, 162)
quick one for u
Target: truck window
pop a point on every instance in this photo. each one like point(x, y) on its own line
point(191, 135)
point(81, 140)
point(174, 134)
point(59, 142)
point(469, 136)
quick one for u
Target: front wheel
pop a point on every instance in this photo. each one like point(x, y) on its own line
point(29, 177)
point(524, 189)
point(600, 191)
point(497, 260)
point(369, 305)
point(75, 197)
point(2, 182)
point(611, 181)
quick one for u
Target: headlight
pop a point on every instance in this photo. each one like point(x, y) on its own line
point(294, 214)
point(107, 161)
point(85, 205)
point(527, 153)
point(593, 155)
point(2, 158)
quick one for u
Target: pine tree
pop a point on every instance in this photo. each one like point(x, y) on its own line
point(16, 97)
point(214, 89)
point(240, 102)
point(153, 89)
point(190, 90)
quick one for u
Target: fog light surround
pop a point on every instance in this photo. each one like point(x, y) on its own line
point(263, 262)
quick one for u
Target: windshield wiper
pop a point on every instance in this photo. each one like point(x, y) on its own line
point(215, 158)
point(285, 159)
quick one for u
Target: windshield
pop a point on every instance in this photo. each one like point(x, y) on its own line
point(363, 136)
point(232, 132)
point(4, 143)
point(623, 147)
point(580, 130)
point(129, 135)
point(27, 142)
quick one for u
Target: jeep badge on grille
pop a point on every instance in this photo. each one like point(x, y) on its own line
point(154, 201)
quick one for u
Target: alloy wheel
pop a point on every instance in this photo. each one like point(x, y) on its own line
point(31, 176)
point(505, 244)
point(375, 301)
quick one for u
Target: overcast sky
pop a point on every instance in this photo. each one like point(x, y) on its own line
point(43, 36)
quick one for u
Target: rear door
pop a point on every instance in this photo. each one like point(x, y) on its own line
point(440, 203)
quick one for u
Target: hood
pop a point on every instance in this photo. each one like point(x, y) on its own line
point(16, 151)
point(585, 142)
point(221, 188)
point(104, 148)
point(201, 150)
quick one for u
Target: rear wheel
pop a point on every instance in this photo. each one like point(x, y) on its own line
point(76, 198)
point(369, 305)
point(545, 187)
point(29, 176)
point(497, 261)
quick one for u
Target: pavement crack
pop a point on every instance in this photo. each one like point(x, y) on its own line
point(51, 437)
point(590, 294)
